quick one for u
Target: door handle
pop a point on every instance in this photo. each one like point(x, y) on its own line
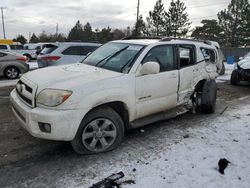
point(173, 75)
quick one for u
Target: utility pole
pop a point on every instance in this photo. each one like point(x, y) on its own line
point(56, 29)
point(137, 17)
point(4, 36)
point(29, 36)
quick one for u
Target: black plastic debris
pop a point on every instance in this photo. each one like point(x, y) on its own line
point(223, 163)
point(109, 182)
point(129, 182)
point(186, 136)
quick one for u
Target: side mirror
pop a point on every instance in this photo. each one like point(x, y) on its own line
point(240, 58)
point(150, 67)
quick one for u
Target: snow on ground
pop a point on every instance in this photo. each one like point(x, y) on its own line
point(193, 163)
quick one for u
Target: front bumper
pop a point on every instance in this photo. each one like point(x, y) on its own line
point(64, 124)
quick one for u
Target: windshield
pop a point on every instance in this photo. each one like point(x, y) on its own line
point(118, 57)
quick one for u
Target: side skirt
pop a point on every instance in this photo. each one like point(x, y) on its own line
point(168, 114)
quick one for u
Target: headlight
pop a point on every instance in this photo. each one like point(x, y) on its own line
point(52, 97)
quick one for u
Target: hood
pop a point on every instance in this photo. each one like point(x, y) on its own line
point(244, 63)
point(68, 76)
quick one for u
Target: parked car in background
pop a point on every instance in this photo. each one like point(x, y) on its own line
point(11, 65)
point(36, 46)
point(241, 71)
point(64, 53)
point(30, 54)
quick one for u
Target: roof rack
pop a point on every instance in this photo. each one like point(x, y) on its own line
point(194, 40)
point(133, 37)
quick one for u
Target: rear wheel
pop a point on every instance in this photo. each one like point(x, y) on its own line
point(208, 96)
point(235, 78)
point(11, 72)
point(28, 57)
point(100, 131)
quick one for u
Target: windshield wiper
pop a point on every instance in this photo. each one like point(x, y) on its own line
point(110, 56)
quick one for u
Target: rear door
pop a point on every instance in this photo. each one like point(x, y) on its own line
point(187, 71)
point(71, 54)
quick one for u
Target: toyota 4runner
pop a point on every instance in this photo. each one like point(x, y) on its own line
point(122, 85)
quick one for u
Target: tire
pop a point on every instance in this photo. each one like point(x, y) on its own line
point(92, 131)
point(11, 72)
point(28, 57)
point(223, 70)
point(235, 78)
point(208, 97)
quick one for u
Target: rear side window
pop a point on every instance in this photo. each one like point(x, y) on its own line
point(48, 49)
point(72, 50)
point(3, 47)
point(209, 54)
point(186, 55)
point(16, 47)
point(87, 49)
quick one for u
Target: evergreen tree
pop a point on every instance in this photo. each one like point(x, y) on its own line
point(34, 38)
point(118, 34)
point(88, 34)
point(235, 22)
point(44, 37)
point(76, 33)
point(209, 31)
point(155, 21)
point(139, 28)
point(58, 37)
point(104, 35)
point(177, 19)
point(21, 39)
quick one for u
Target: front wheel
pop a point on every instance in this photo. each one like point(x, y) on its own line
point(11, 72)
point(100, 131)
point(235, 78)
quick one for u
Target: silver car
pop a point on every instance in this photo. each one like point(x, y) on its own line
point(11, 65)
point(64, 53)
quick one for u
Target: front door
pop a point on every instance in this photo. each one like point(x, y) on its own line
point(158, 92)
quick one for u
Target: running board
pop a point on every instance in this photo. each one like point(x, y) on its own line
point(159, 116)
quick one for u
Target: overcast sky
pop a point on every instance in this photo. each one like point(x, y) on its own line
point(24, 16)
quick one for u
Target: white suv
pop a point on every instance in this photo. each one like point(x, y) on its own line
point(122, 85)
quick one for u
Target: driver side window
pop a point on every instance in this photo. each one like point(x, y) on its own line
point(164, 55)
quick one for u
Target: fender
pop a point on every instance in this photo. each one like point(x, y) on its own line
point(109, 95)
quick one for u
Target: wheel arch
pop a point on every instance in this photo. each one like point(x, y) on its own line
point(8, 66)
point(120, 107)
point(199, 85)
